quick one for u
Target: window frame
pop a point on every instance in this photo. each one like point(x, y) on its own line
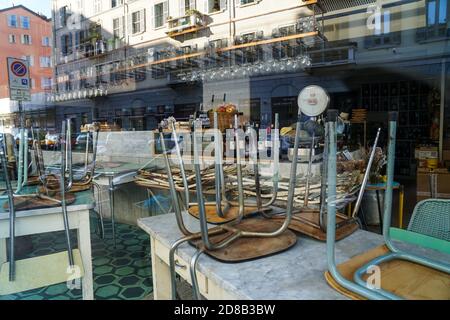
point(243, 3)
point(46, 42)
point(9, 19)
point(437, 13)
point(46, 83)
point(12, 37)
point(163, 16)
point(140, 22)
point(26, 36)
point(22, 24)
point(45, 61)
point(183, 8)
point(119, 31)
point(97, 6)
point(210, 7)
point(118, 3)
point(30, 60)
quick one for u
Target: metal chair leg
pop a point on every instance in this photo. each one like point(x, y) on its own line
point(99, 213)
point(172, 266)
point(194, 280)
point(111, 208)
point(380, 215)
point(63, 192)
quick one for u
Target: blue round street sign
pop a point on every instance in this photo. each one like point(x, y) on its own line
point(19, 69)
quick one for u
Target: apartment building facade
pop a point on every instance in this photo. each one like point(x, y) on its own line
point(26, 35)
point(102, 41)
point(136, 62)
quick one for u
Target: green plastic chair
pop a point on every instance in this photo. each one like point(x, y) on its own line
point(432, 218)
point(429, 226)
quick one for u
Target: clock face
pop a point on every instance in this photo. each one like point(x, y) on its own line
point(313, 101)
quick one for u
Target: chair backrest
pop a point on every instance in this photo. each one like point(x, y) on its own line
point(432, 218)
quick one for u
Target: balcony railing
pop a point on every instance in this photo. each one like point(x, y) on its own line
point(333, 55)
point(383, 40)
point(433, 33)
point(186, 24)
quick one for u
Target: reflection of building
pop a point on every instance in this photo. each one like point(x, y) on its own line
point(142, 60)
point(156, 48)
point(26, 35)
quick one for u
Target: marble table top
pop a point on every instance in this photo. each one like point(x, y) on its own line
point(84, 201)
point(297, 274)
point(292, 275)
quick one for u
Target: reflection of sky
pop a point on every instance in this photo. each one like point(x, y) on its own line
point(442, 15)
point(40, 6)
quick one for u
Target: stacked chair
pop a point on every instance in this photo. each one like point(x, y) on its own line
point(246, 237)
point(57, 188)
point(410, 274)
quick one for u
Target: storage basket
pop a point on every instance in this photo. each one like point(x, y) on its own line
point(225, 119)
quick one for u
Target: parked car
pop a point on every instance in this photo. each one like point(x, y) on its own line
point(52, 140)
point(81, 140)
point(40, 135)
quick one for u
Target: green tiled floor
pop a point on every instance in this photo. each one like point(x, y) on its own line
point(123, 273)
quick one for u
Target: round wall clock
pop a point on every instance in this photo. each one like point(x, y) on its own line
point(313, 101)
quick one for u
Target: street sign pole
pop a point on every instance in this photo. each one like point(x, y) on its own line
point(19, 88)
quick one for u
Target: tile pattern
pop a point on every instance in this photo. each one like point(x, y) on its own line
point(121, 273)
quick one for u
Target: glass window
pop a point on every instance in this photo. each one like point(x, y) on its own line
point(161, 12)
point(186, 5)
point(25, 22)
point(46, 41)
point(118, 30)
point(216, 5)
point(66, 44)
point(442, 11)
point(12, 38)
point(12, 21)
point(114, 3)
point(26, 39)
point(97, 6)
point(437, 12)
point(30, 60)
point(46, 62)
point(431, 9)
point(391, 58)
point(63, 16)
point(46, 83)
point(138, 21)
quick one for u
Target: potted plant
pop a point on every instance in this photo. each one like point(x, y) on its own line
point(111, 43)
point(193, 14)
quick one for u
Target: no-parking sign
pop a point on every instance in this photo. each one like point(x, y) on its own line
point(19, 79)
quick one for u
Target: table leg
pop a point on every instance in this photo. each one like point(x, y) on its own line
point(3, 257)
point(379, 211)
point(362, 215)
point(111, 208)
point(401, 206)
point(160, 275)
point(84, 244)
